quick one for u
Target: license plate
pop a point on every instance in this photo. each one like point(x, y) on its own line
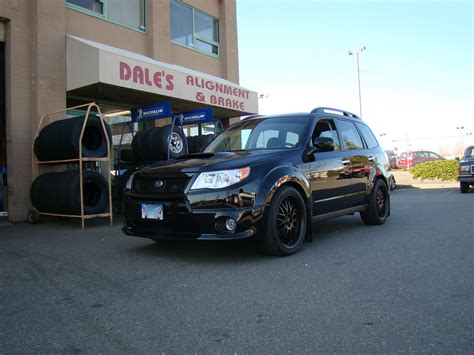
point(152, 211)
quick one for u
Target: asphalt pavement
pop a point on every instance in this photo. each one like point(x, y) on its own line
point(405, 286)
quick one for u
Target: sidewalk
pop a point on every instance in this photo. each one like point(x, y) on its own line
point(404, 179)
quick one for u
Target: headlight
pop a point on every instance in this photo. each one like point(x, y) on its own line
point(128, 185)
point(464, 168)
point(220, 179)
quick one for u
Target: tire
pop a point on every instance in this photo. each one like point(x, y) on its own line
point(33, 217)
point(127, 155)
point(285, 223)
point(60, 140)
point(204, 141)
point(379, 205)
point(463, 187)
point(60, 193)
point(176, 146)
point(190, 141)
point(138, 145)
point(393, 183)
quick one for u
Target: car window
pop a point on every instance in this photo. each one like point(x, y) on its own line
point(469, 153)
point(292, 138)
point(368, 136)
point(265, 133)
point(265, 136)
point(326, 128)
point(434, 155)
point(349, 135)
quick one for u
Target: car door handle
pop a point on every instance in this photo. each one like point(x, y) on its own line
point(345, 162)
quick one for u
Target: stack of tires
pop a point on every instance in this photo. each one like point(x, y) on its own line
point(197, 144)
point(59, 193)
point(152, 145)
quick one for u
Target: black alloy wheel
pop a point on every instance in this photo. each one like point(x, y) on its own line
point(288, 222)
point(285, 224)
point(378, 207)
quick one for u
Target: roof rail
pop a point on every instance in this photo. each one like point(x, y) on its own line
point(334, 111)
point(251, 116)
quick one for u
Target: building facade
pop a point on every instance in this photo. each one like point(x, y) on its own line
point(121, 54)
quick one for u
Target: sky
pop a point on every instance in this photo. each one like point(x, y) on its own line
point(416, 74)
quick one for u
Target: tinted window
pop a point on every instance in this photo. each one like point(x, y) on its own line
point(349, 135)
point(469, 153)
point(368, 136)
point(326, 128)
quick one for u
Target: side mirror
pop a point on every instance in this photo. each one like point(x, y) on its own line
point(324, 144)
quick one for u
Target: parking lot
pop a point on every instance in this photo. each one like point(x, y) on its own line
point(406, 286)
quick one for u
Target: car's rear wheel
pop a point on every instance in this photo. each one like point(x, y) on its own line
point(379, 205)
point(285, 223)
point(464, 187)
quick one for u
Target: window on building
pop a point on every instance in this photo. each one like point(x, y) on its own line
point(129, 13)
point(193, 28)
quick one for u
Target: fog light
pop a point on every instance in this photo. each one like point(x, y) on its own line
point(230, 224)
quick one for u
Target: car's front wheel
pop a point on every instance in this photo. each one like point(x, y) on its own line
point(378, 206)
point(285, 223)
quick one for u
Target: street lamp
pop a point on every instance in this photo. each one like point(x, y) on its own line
point(461, 141)
point(358, 74)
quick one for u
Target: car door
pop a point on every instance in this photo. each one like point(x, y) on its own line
point(329, 173)
point(357, 158)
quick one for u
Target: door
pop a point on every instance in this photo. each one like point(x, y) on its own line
point(359, 161)
point(330, 173)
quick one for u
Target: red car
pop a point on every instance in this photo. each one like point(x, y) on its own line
point(416, 157)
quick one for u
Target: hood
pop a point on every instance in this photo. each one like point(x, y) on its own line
point(200, 162)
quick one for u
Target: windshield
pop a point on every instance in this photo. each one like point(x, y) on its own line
point(469, 154)
point(264, 133)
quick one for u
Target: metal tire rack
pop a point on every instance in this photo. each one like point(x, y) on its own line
point(79, 160)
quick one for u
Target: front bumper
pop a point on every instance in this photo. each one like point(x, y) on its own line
point(466, 179)
point(181, 222)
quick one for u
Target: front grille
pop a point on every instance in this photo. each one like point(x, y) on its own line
point(472, 169)
point(160, 184)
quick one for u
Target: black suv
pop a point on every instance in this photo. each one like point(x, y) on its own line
point(466, 169)
point(267, 177)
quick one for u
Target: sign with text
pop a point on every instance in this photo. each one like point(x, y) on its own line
point(195, 117)
point(152, 112)
point(91, 63)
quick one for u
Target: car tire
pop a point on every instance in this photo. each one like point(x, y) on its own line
point(464, 187)
point(285, 223)
point(379, 205)
point(393, 183)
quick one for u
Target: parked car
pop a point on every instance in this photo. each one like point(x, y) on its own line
point(466, 169)
point(392, 159)
point(416, 157)
point(266, 177)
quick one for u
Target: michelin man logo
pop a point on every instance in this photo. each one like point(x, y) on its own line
point(139, 114)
